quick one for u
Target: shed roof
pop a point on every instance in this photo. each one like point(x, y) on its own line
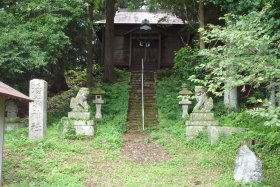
point(124, 16)
point(7, 91)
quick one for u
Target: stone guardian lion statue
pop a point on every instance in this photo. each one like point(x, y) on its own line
point(79, 103)
point(204, 103)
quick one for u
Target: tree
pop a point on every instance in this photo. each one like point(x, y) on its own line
point(90, 46)
point(37, 33)
point(249, 53)
point(109, 73)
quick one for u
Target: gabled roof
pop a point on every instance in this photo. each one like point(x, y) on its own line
point(124, 16)
point(7, 91)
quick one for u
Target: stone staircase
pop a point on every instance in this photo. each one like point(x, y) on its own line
point(135, 106)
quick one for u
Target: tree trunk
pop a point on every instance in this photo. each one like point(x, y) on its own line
point(230, 98)
point(272, 97)
point(58, 82)
point(109, 73)
point(201, 23)
point(90, 47)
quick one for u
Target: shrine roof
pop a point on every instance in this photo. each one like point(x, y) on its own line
point(7, 91)
point(125, 16)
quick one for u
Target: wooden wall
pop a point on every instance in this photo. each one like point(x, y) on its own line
point(170, 41)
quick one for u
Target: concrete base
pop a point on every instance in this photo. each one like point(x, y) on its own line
point(79, 115)
point(214, 132)
point(202, 123)
point(13, 126)
point(202, 119)
point(193, 131)
point(82, 127)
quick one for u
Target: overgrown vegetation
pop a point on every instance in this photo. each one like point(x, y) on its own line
point(221, 155)
point(109, 132)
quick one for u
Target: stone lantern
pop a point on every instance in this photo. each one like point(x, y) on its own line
point(185, 102)
point(99, 100)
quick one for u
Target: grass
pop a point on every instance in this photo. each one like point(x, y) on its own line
point(98, 161)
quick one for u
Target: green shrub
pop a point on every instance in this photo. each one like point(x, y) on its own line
point(109, 130)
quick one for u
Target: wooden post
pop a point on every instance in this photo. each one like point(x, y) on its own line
point(2, 116)
point(130, 50)
point(159, 51)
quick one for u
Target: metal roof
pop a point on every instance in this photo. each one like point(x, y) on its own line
point(7, 91)
point(124, 16)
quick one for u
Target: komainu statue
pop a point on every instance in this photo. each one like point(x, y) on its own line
point(204, 103)
point(79, 103)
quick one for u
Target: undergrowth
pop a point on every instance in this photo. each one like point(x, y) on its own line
point(221, 155)
point(109, 132)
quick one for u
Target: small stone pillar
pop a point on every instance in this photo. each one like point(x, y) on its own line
point(185, 102)
point(12, 121)
point(38, 109)
point(98, 93)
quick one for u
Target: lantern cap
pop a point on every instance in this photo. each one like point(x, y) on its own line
point(185, 90)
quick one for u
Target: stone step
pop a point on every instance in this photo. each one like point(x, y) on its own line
point(135, 100)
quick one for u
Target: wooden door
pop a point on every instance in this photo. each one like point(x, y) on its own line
point(138, 53)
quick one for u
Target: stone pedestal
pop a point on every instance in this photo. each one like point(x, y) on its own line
point(82, 123)
point(205, 122)
point(13, 123)
point(38, 109)
point(199, 122)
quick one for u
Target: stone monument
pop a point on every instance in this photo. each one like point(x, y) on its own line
point(12, 121)
point(80, 117)
point(38, 109)
point(248, 167)
point(201, 117)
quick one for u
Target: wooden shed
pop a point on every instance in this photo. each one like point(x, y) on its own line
point(161, 30)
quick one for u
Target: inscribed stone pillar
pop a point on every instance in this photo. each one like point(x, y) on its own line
point(230, 98)
point(38, 109)
point(2, 116)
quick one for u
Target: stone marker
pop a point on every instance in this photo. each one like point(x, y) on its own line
point(248, 167)
point(80, 117)
point(12, 121)
point(38, 109)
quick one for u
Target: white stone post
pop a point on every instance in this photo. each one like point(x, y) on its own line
point(230, 98)
point(2, 117)
point(38, 109)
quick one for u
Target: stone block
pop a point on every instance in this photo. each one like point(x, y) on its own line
point(203, 116)
point(215, 132)
point(82, 127)
point(85, 130)
point(193, 131)
point(202, 123)
point(79, 115)
point(12, 120)
point(13, 126)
